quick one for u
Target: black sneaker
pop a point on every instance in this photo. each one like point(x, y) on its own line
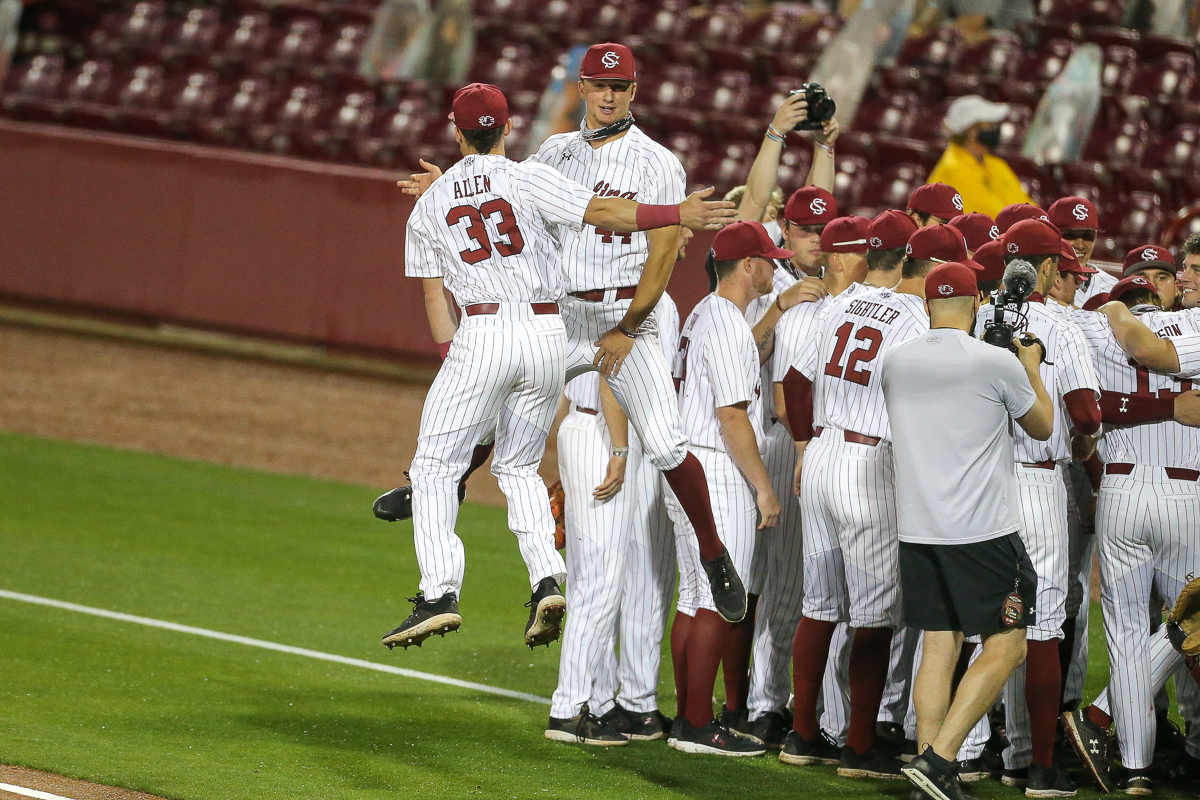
point(728, 593)
point(875, 763)
point(1137, 782)
point(1048, 782)
point(1017, 778)
point(546, 608)
point(713, 739)
point(802, 752)
point(1167, 738)
point(738, 721)
point(972, 770)
point(1177, 768)
point(586, 728)
point(934, 775)
point(396, 505)
point(1090, 743)
point(440, 617)
point(771, 729)
point(673, 736)
point(638, 726)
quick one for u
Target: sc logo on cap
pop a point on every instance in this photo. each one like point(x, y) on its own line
point(1140, 281)
point(957, 201)
point(1012, 247)
point(487, 120)
point(945, 288)
point(994, 232)
point(817, 205)
point(876, 242)
point(610, 60)
point(1079, 212)
point(1150, 254)
point(908, 249)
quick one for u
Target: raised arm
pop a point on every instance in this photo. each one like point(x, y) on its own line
point(821, 173)
point(1139, 342)
point(764, 174)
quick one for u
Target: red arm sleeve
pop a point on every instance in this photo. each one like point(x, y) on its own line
point(1083, 410)
point(797, 397)
point(1128, 409)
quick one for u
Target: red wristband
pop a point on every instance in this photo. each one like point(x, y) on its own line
point(649, 217)
point(444, 349)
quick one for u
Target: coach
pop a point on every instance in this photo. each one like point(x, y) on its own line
point(963, 568)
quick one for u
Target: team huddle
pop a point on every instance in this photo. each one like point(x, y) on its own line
point(877, 522)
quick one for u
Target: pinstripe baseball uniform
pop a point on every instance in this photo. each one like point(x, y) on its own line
point(717, 366)
point(1147, 523)
point(487, 228)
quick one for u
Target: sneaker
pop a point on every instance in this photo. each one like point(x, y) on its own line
point(396, 505)
point(586, 728)
point(934, 775)
point(1167, 738)
point(1177, 768)
point(546, 608)
point(875, 763)
point(728, 593)
point(737, 721)
point(673, 736)
point(1048, 782)
point(771, 729)
point(1017, 778)
point(638, 726)
point(1090, 743)
point(972, 770)
point(801, 752)
point(713, 739)
point(440, 617)
point(1137, 782)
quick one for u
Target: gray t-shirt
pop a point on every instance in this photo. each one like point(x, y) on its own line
point(950, 399)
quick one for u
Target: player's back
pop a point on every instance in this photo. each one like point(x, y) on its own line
point(849, 338)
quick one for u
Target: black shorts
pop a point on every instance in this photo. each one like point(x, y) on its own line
point(967, 587)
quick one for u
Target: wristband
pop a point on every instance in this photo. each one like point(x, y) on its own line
point(631, 334)
point(777, 298)
point(774, 135)
point(620, 452)
point(444, 349)
point(650, 216)
point(827, 147)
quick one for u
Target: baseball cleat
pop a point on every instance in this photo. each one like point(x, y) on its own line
point(875, 763)
point(1138, 783)
point(714, 739)
point(801, 752)
point(1016, 777)
point(585, 728)
point(1048, 782)
point(396, 505)
point(1090, 743)
point(728, 593)
point(771, 729)
point(972, 770)
point(638, 726)
point(546, 608)
point(439, 617)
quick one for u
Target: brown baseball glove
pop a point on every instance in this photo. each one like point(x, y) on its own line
point(1183, 624)
point(557, 505)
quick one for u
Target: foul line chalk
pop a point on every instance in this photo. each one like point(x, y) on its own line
point(265, 645)
point(21, 790)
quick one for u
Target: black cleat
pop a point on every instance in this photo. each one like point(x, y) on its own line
point(1138, 783)
point(1017, 777)
point(728, 593)
point(1048, 782)
point(1090, 743)
point(439, 617)
point(875, 763)
point(738, 721)
point(935, 776)
point(546, 608)
point(771, 729)
point(586, 728)
point(972, 770)
point(713, 739)
point(803, 753)
point(396, 505)
point(637, 725)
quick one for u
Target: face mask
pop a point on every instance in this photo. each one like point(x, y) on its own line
point(989, 137)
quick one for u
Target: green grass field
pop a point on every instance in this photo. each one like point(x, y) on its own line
point(299, 562)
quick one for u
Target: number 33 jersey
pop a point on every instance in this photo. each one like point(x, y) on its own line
point(844, 366)
point(490, 227)
point(634, 167)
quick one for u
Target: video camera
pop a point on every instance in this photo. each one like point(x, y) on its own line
point(821, 107)
point(1020, 279)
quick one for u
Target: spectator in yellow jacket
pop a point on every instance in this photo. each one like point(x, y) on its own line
point(985, 181)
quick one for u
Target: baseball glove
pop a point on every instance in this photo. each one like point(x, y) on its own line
point(557, 503)
point(1183, 624)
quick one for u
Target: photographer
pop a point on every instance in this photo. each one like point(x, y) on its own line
point(963, 567)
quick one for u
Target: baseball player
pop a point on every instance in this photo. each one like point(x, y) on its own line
point(934, 204)
point(1011, 215)
point(483, 234)
point(1079, 222)
point(805, 215)
point(1071, 277)
point(717, 370)
point(1033, 694)
point(977, 229)
point(1155, 264)
point(848, 504)
point(1189, 272)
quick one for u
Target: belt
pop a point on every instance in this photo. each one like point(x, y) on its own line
point(591, 411)
point(1174, 473)
point(597, 295)
point(852, 437)
point(1048, 464)
point(476, 309)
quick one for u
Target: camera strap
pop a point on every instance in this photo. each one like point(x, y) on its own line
point(620, 126)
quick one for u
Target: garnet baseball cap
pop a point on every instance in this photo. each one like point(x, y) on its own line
point(978, 229)
point(479, 106)
point(1032, 237)
point(744, 239)
point(990, 258)
point(1074, 213)
point(845, 235)
point(608, 60)
point(953, 279)
point(939, 199)
point(1011, 215)
point(939, 243)
point(890, 229)
point(1149, 256)
point(1067, 262)
point(1095, 301)
point(810, 205)
point(1127, 285)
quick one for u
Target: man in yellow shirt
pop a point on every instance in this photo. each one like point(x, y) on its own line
point(985, 181)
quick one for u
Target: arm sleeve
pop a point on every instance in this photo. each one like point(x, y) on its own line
point(558, 199)
point(1083, 410)
point(730, 356)
point(421, 257)
point(1128, 409)
point(1187, 347)
point(797, 394)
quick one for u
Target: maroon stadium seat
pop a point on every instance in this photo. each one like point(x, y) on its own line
point(1119, 70)
point(248, 39)
point(1167, 79)
point(34, 90)
point(997, 56)
point(1043, 64)
point(343, 53)
point(247, 106)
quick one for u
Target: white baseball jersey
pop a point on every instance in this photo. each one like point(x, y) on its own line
point(794, 334)
point(634, 167)
point(488, 226)
point(1101, 282)
point(754, 313)
point(1187, 347)
point(847, 392)
point(1156, 444)
point(716, 366)
point(1068, 367)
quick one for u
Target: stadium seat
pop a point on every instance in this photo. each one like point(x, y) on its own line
point(35, 89)
point(1043, 64)
point(997, 56)
point(246, 107)
point(893, 115)
point(1167, 79)
point(1119, 70)
point(247, 41)
point(1108, 36)
point(343, 53)
point(1177, 150)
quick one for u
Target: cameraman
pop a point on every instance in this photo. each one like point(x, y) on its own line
point(963, 567)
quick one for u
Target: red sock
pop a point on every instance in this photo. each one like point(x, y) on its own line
point(705, 643)
point(679, 635)
point(735, 662)
point(869, 657)
point(1097, 716)
point(687, 481)
point(810, 651)
point(1043, 689)
point(960, 669)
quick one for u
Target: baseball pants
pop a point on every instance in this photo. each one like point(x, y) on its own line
point(504, 370)
point(896, 694)
point(1149, 536)
point(833, 706)
point(1081, 529)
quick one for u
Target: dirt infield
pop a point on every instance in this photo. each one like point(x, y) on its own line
point(63, 787)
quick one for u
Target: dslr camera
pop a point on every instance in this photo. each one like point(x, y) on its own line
point(821, 107)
